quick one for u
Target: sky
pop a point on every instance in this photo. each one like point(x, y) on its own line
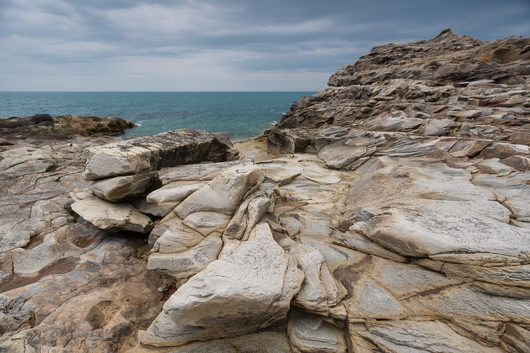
point(222, 45)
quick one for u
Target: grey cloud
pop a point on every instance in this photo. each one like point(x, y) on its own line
point(242, 38)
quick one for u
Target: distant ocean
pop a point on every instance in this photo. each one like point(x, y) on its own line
point(240, 114)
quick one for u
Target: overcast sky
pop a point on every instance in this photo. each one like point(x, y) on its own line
point(223, 45)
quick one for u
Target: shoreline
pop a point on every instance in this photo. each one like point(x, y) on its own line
point(387, 212)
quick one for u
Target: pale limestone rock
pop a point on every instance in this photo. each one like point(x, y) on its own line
point(189, 262)
point(319, 291)
point(408, 203)
point(223, 194)
point(280, 171)
point(154, 209)
point(309, 333)
point(173, 192)
point(150, 153)
point(240, 293)
point(112, 216)
point(206, 222)
point(359, 242)
point(250, 212)
point(176, 237)
point(263, 342)
point(421, 336)
point(118, 188)
point(344, 153)
point(194, 172)
point(257, 208)
point(320, 175)
point(229, 246)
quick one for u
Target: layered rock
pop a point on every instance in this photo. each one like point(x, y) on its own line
point(44, 127)
point(397, 221)
point(248, 290)
point(436, 134)
point(125, 169)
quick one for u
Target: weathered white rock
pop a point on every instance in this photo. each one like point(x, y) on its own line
point(309, 333)
point(412, 202)
point(176, 237)
point(319, 291)
point(150, 153)
point(193, 172)
point(344, 153)
point(421, 336)
point(118, 188)
point(112, 216)
point(207, 222)
point(173, 192)
point(223, 194)
point(187, 263)
point(154, 209)
point(240, 293)
point(263, 342)
point(359, 242)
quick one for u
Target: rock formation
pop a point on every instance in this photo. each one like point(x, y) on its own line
point(45, 127)
point(390, 214)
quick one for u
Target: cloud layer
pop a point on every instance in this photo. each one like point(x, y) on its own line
point(220, 45)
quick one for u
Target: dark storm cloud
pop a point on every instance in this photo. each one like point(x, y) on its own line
point(231, 44)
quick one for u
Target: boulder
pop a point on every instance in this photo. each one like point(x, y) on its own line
point(122, 187)
point(240, 293)
point(112, 216)
point(150, 153)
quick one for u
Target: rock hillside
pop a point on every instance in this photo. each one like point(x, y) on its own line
point(387, 213)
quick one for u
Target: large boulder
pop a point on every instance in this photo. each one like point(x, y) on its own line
point(150, 153)
point(240, 293)
point(112, 216)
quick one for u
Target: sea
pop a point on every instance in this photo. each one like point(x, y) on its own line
point(239, 114)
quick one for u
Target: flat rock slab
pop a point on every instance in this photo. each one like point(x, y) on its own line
point(421, 336)
point(240, 293)
point(150, 153)
point(187, 263)
point(309, 333)
point(436, 210)
point(119, 188)
point(112, 216)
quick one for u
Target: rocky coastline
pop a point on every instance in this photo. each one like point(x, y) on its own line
point(389, 212)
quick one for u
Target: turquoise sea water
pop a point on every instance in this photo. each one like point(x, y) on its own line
point(240, 114)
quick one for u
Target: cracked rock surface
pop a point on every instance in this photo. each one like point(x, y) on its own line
point(388, 213)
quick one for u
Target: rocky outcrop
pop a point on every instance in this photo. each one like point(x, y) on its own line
point(111, 216)
point(44, 127)
point(434, 135)
point(391, 215)
point(248, 290)
point(125, 169)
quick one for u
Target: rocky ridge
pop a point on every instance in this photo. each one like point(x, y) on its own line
point(389, 214)
point(43, 127)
